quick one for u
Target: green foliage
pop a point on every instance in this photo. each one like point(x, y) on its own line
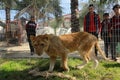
point(17, 69)
point(8, 3)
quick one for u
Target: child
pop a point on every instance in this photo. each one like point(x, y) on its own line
point(105, 32)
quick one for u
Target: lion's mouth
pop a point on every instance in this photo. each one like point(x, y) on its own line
point(39, 54)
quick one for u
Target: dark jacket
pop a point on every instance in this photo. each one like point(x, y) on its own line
point(31, 27)
point(105, 26)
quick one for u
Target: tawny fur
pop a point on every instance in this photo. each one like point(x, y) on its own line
point(54, 46)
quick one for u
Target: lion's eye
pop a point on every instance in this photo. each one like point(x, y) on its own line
point(42, 44)
point(35, 44)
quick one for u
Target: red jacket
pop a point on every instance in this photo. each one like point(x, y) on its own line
point(115, 23)
point(90, 24)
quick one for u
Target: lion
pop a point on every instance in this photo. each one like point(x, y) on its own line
point(55, 46)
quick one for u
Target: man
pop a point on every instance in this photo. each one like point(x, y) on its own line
point(92, 22)
point(31, 30)
point(115, 30)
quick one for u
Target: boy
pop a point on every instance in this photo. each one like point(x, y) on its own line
point(105, 32)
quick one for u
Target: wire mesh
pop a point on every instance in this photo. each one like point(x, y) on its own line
point(110, 42)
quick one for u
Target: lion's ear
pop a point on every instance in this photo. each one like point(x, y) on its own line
point(46, 37)
point(32, 37)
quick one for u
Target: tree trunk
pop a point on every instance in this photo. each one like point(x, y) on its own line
point(75, 26)
point(7, 10)
point(8, 27)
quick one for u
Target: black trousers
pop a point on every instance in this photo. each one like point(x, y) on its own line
point(95, 34)
point(106, 39)
point(29, 41)
point(114, 41)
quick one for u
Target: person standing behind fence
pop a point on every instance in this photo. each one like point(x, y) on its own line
point(31, 30)
point(105, 32)
point(115, 30)
point(92, 23)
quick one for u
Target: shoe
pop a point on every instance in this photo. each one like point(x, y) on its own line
point(32, 53)
point(114, 59)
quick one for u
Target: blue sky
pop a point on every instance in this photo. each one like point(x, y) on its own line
point(3, 17)
point(64, 3)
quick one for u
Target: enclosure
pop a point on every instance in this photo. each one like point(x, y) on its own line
point(57, 17)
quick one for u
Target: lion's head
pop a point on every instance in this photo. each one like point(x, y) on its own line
point(40, 43)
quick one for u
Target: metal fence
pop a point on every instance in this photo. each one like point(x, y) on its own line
point(110, 34)
point(2, 36)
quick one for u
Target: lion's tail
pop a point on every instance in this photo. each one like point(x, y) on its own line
point(100, 50)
